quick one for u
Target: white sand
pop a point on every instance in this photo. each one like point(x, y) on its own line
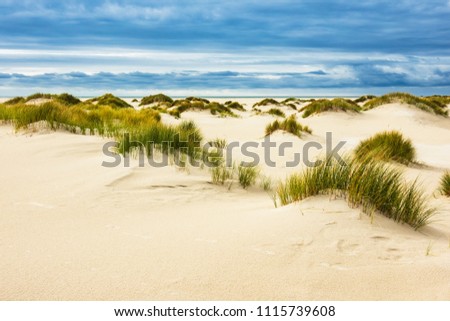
point(74, 230)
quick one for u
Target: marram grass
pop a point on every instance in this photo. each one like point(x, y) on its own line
point(289, 125)
point(247, 175)
point(276, 112)
point(387, 146)
point(432, 104)
point(373, 186)
point(323, 105)
point(445, 184)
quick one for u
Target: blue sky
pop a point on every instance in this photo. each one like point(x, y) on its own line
point(243, 48)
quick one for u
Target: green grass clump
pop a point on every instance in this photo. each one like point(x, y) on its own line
point(158, 98)
point(234, 105)
point(445, 184)
point(14, 101)
point(387, 146)
point(289, 125)
point(364, 98)
point(163, 138)
point(203, 100)
point(215, 108)
point(276, 112)
point(267, 101)
point(323, 105)
point(221, 174)
point(373, 186)
point(425, 104)
point(81, 118)
point(442, 101)
point(39, 96)
point(67, 99)
point(109, 100)
point(247, 175)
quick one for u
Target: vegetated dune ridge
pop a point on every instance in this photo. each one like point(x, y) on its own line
point(74, 230)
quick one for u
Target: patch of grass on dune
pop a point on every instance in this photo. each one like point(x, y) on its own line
point(103, 120)
point(65, 98)
point(445, 184)
point(215, 108)
point(442, 101)
point(364, 98)
point(425, 104)
point(39, 96)
point(267, 101)
point(109, 100)
point(289, 125)
point(386, 146)
point(14, 101)
point(192, 98)
point(158, 98)
point(323, 105)
point(247, 175)
point(159, 136)
point(234, 105)
point(276, 112)
point(373, 186)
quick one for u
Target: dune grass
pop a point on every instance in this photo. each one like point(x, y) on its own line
point(386, 146)
point(427, 104)
point(109, 100)
point(184, 137)
point(373, 186)
point(276, 112)
point(289, 125)
point(222, 174)
point(39, 96)
point(234, 105)
point(364, 98)
point(266, 101)
point(445, 184)
point(82, 118)
point(247, 175)
point(15, 100)
point(67, 99)
point(323, 105)
point(64, 98)
point(442, 101)
point(158, 98)
point(215, 108)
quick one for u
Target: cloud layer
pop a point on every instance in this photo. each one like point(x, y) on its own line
point(224, 46)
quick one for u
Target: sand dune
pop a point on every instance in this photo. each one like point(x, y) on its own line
point(74, 230)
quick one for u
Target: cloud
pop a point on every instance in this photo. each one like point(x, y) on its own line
point(224, 44)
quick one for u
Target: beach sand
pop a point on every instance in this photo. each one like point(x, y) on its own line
point(74, 230)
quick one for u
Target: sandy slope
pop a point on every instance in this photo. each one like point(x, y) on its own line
point(72, 229)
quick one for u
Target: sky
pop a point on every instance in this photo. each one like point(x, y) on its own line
point(225, 48)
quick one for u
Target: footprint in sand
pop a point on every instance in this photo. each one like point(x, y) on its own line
point(346, 247)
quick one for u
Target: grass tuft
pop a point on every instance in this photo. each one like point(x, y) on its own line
point(373, 186)
point(323, 105)
point(364, 98)
point(445, 184)
point(386, 146)
point(266, 101)
point(158, 98)
point(109, 100)
point(14, 101)
point(430, 104)
point(289, 125)
point(276, 112)
point(247, 175)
